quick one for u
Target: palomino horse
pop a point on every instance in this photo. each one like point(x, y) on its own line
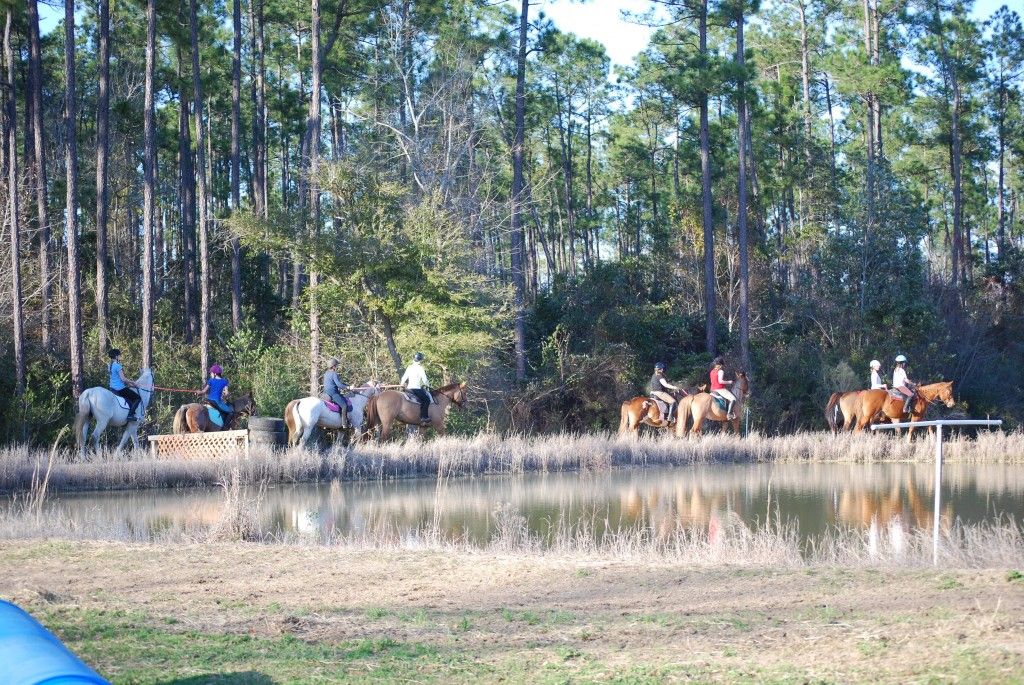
point(644, 410)
point(194, 417)
point(303, 415)
point(703, 406)
point(107, 409)
point(874, 402)
point(845, 405)
point(390, 405)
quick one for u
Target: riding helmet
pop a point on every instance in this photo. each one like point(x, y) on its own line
point(114, 353)
point(875, 364)
point(718, 362)
point(418, 357)
point(900, 359)
point(332, 363)
point(660, 366)
point(216, 369)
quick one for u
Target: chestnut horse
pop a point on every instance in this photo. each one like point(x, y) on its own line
point(387, 407)
point(874, 402)
point(644, 410)
point(194, 417)
point(703, 406)
point(845, 405)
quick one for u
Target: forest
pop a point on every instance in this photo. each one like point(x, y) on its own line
point(798, 185)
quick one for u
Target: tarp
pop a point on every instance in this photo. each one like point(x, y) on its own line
point(32, 655)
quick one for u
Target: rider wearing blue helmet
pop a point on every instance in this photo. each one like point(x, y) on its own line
point(659, 387)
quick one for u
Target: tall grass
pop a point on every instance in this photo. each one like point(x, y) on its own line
point(487, 454)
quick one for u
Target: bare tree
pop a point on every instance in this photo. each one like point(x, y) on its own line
point(741, 218)
point(35, 92)
point(201, 201)
point(313, 135)
point(71, 216)
point(13, 210)
point(102, 173)
point(518, 197)
point(148, 183)
point(710, 295)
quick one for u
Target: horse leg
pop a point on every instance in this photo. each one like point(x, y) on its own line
point(127, 434)
point(101, 425)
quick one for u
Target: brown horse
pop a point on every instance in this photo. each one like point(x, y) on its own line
point(387, 407)
point(193, 418)
point(703, 406)
point(644, 410)
point(875, 402)
point(845, 405)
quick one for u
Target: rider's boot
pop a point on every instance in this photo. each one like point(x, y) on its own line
point(344, 418)
point(908, 404)
point(728, 412)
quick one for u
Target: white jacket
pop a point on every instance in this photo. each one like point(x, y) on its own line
point(415, 377)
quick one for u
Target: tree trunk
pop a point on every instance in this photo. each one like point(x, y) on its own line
point(1000, 193)
point(741, 218)
point(805, 78)
point(14, 211)
point(102, 153)
point(35, 70)
point(148, 187)
point(869, 148)
point(71, 218)
point(710, 333)
point(204, 246)
point(518, 237)
point(259, 93)
point(313, 135)
point(187, 216)
point(236, 133)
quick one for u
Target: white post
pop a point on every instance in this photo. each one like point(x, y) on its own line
point(938, 493)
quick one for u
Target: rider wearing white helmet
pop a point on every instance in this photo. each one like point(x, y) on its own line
point(902, 382)
point(876, 376)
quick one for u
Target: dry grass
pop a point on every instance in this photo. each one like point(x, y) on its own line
point(488, 454)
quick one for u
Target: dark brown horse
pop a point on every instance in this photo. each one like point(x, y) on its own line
point(390, 406)
point(194, 417)
point(880, 402)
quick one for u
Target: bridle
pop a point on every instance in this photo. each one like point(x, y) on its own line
point(453, 395)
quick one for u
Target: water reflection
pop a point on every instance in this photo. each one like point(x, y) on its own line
point(885, 500)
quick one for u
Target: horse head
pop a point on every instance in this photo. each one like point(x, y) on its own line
point(945, 394)
point(743, 383)
point(244, 404)
point(456, 392)
point(144, 384)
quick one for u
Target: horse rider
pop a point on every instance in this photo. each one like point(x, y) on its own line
point(658, 387)
point(876, 376)
point(334, 389)
point(720, 385)
point(903, 384)
point(216, 386)
point(121, 386)
point(415, 381)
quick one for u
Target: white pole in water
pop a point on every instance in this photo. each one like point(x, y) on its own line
point(938, 494)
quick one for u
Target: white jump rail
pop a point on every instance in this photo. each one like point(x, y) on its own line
point(200, 445)
point(938, 424)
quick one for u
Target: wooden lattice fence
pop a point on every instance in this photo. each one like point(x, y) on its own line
point(201, 445)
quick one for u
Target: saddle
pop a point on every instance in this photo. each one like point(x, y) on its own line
point(412, 398)
point(336, 408)
point(722, 403)
point(216, 415)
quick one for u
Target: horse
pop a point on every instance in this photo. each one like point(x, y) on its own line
point(195, 417)
point(703, 406)
point(846, 405)
point(387, 407)
point(108, 409)
point(875, 402)
point(644, 410)
point(303, 415)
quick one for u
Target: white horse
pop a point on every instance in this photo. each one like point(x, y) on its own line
point(108, 409)
point(303, 415)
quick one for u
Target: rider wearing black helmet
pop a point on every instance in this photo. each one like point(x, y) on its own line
point(415, 381)
point(659, 387)
point(121, 386)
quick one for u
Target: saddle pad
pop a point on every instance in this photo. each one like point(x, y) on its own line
point(660, 404)
point(216, 416)
point(719, 400)
point(332, 406)
point(121, 402)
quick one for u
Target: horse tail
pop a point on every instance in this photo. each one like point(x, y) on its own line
point(832, 410)
point(372, 417)
point(292, 420)
point(682, 414)
point(84, 412)
point(180, 425)
point(624, 417)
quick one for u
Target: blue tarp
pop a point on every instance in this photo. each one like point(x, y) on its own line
point(32, 655)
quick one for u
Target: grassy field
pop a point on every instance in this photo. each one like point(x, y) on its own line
point(483, 454)
point(254, 613)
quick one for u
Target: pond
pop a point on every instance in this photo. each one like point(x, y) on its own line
point(815, 497)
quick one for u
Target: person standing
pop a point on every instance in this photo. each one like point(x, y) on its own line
point(415, 381)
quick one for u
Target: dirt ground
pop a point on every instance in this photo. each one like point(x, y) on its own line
point(276, 613)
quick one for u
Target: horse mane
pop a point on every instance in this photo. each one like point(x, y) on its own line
point(449, 387)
